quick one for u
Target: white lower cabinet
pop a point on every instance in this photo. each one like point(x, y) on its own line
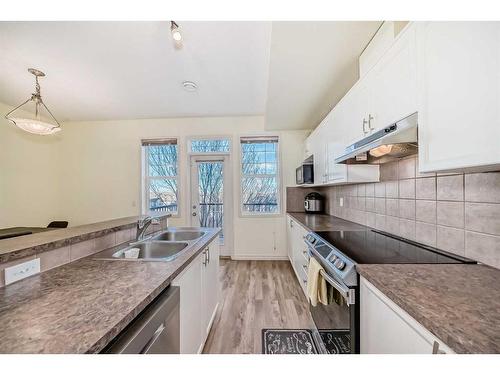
point(385, 328)
point(210, 287)
point(199, 298)
point(297, 251)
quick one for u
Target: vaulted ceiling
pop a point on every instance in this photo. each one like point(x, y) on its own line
point(292, 72)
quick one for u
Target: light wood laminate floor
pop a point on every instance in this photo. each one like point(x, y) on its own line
point(255, 295)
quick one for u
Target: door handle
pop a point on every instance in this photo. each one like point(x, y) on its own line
point(343, 290)
point(150, 343)
point(370, 118)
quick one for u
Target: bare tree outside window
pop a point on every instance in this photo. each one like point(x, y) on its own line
point(206, 146)
point(162, 177)
point(259, 176)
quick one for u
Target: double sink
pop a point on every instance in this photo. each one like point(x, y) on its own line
point(165, 246)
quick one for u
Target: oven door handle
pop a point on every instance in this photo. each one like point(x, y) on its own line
point(348, 294)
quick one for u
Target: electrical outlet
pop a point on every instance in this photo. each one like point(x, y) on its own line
point(341, 202)
point(21, 271)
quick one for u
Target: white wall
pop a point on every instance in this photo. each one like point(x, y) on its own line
point(91, 171)
point(100, 166)
point(29, 176)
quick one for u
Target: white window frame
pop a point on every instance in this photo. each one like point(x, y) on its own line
point(278, 175)
point(145, 178)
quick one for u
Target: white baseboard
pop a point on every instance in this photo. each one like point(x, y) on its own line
point(258, 257)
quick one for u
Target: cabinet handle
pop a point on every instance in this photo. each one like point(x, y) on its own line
point(208, 255)
point(435, 348)
point(291, 224)
point(304, 281)
point(370, 118)
point(364, 124)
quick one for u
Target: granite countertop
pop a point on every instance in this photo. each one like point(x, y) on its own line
point(458, 303)
point(81, 306)
point(23, 246)
point(322, 222)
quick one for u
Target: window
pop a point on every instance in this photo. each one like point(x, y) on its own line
point(259, 175)
point(161, 175)
point(209, 145)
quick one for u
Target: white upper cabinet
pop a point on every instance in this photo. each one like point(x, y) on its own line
point(378, 46)
point(393, 83)
point(356, 108)
point(458, 70)
point(385, 94)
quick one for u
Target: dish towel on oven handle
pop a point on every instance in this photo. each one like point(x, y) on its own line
point(316, 284)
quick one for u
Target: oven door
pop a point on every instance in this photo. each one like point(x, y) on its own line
point(335, 323)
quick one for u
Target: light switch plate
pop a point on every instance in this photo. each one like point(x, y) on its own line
point(21, 271)
point(341, 202)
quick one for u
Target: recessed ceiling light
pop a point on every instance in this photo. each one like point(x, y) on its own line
point(189, 86)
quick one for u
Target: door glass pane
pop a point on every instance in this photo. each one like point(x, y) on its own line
point(211, 195)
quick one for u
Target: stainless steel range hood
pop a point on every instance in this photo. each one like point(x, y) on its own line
point(394, 141)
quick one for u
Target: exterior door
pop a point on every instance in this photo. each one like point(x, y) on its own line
point(211, 196)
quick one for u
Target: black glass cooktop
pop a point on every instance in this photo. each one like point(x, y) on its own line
point(374, 247)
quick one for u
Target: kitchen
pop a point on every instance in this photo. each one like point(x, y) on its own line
point(204, 209)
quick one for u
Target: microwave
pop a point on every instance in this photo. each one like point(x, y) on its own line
point(304, 174)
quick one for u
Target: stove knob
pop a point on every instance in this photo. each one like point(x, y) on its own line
point(333, 258)
point(340, 264)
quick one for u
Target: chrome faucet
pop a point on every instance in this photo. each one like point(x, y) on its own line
point(142, 225)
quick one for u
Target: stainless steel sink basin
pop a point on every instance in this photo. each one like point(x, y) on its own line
point(165, 246)
point(151, 250)
point(187, 235)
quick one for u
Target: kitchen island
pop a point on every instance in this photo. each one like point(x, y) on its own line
point(81, 306)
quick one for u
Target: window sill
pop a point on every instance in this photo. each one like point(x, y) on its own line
point(270, 216)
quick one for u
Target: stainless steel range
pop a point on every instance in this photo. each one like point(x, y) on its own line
point(337, 324)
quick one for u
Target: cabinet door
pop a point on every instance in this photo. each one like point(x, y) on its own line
point(289, 238)
point(354, 120)
point(386, 329)
point(189, 282)
point(319, 154)
point(210, 286)
point(299, 262)
point(393, 93)
point(458, 95)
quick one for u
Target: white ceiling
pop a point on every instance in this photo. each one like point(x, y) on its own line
point(293, 72)
point(128, 70)
point(312, 65)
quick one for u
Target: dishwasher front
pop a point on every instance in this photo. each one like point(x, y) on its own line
point(156, 330)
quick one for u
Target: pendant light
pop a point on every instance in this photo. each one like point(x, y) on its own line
point(176, 34)
point(33, 116)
